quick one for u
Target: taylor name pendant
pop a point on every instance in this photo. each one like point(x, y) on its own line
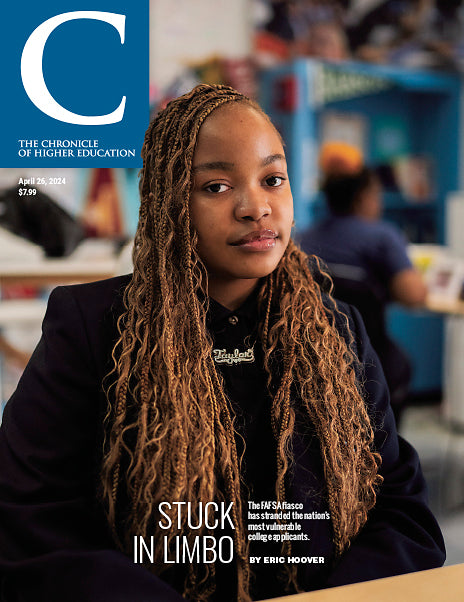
point(236, 357)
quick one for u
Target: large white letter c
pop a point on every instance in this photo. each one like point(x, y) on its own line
point(32, 72)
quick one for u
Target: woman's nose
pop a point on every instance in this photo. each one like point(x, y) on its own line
point(252, 205)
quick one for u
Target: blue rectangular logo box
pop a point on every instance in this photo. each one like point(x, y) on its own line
point(74, 83)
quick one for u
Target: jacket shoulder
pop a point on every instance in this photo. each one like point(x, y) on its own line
point(89, 312)
point(96, 299)
point(105, 289)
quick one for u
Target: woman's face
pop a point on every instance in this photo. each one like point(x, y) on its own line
point(241, 204)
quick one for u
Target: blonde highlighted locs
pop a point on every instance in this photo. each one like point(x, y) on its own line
point(169, 429)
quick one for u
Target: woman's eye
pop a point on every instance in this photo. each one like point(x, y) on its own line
point(216, 187)
point(274, 180)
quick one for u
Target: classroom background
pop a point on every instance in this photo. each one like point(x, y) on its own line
point(385, 76)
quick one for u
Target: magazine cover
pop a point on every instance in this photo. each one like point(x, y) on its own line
point(186, 411)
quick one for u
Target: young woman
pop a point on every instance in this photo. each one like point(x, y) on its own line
point(216, 378)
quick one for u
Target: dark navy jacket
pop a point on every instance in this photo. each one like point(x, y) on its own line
point(54, 544)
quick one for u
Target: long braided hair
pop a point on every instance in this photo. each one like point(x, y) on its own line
point(169, 429)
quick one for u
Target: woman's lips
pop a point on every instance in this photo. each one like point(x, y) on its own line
point(258, 240)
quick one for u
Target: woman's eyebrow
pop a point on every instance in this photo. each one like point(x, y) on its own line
point(271, 158)
point(213, 165)
point(228, 166)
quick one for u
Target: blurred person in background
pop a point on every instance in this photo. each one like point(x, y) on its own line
point(319, 30)
point(366, 257)
point(326, 40)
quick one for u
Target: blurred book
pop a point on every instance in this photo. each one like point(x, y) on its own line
point(443, 273)
point(344, 127)
point(414, 177)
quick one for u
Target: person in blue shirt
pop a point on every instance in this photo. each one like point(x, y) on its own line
point(366, 257)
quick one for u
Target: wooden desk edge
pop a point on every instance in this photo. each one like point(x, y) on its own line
point(421, 586)
point(55, 279)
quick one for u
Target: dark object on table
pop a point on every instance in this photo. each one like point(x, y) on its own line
point(39, 219)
